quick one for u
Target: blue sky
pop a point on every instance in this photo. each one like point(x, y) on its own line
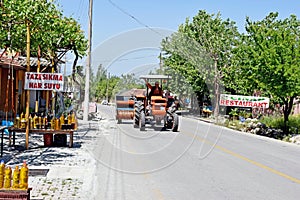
point(110, 24)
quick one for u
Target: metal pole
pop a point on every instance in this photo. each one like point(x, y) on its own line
point(38, 71)
point(28, 91)
point(107, 84)
point(87, 69)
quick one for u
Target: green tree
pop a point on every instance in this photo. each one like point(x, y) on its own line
point(201, 51)
point(269, 58)
point(129, 81)
point(111, 87)
point(104, 86)
point(53, 33)
point(98, 83)
point(179, 85)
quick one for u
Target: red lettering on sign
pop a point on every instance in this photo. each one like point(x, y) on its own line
point(35, 85)
point(52, 86)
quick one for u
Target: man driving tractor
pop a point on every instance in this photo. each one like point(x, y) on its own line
point(155, 90)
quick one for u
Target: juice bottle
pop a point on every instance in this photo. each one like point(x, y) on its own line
point(73, 117)
point(17, 122)
point(30, 121)
point(23, 121)
point(34, 122)
point(57, 124)
point(24, 176)
point(22, 115)
point(61, 120)
point(69, 119)
point(7, 177)
point(2, 168)
point(16, 178)
point(40, 122)
point(45, 122)
point(52, 126)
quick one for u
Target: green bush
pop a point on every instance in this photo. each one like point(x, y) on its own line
point(294, 124)
point(278, 123)
point(273, 122)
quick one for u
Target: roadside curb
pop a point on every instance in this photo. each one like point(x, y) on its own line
point(199, 118)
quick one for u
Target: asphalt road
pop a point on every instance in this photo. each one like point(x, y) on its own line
point(200, 161)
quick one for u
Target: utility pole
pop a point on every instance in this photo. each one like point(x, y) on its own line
point(160, 63)
point(88, 67)
point(107, 84)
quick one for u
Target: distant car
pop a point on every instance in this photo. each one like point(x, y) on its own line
point(104, 102)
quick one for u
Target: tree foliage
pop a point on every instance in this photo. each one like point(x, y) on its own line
point(269, 58)
point(49, 29)
point(201, 51)
point(105, 86)
point(98, 84)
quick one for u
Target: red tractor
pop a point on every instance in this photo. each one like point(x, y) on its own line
point(155, 109)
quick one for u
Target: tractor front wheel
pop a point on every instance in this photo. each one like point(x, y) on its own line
point(158, 121)
point(175, 122)
point(142, 121)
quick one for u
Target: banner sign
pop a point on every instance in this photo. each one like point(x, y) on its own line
point(244, 101)
point(44, 81)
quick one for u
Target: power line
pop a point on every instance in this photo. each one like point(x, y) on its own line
point(134, 18)
point(79, 9)
point(81, 12)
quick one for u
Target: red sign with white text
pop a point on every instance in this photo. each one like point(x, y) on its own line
point(244, 101)
point(44, 81)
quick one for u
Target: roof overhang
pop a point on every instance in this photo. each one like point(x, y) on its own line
point(6, 63)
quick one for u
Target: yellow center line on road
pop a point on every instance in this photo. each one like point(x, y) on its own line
point(274, 171)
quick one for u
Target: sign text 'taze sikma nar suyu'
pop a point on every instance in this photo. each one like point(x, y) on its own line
point(44, 81)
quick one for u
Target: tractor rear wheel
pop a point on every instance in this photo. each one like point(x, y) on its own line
point(136, 120)
point(135, 123)
point(138, 109)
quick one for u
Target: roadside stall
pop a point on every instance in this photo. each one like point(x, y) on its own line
point(54, 129)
